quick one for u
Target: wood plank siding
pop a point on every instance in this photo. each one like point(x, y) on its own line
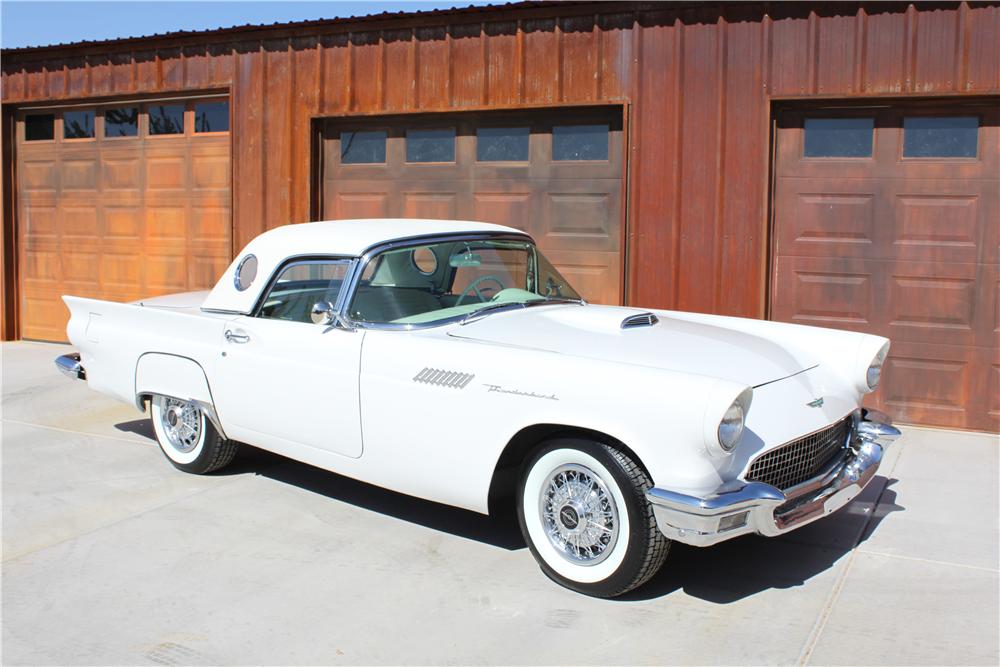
point(697, 84)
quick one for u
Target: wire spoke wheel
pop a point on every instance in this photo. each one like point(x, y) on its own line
point(579, 514)
point(181, 422)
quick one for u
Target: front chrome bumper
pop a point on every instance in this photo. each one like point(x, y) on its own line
point(755, 507)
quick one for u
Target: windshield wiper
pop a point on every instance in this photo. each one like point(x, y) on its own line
point(497, 307)
point(492, 308)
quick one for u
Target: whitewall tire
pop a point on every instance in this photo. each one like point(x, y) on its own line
point(584, 514)
point(187, 437)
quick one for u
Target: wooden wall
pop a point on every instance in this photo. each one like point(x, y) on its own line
point(699, 82)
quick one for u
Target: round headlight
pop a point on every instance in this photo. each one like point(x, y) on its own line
point(731, 426)
point(874, 373)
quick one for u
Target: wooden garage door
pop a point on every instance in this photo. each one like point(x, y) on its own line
point(119, 202)
point(886, 221)
point(556, 175)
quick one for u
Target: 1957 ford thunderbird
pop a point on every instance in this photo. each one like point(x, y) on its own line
point(451, 361)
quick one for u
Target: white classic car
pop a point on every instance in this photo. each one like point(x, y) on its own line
point(451, 361)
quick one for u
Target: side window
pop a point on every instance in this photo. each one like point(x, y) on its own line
point(940, 136)
point(301, 285)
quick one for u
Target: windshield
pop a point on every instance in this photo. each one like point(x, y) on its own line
point(430, 283)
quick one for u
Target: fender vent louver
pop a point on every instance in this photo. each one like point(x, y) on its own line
point(640, 320)
point(442, 378)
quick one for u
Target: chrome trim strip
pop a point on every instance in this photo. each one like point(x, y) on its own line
point(70, 366)
point(695, 520)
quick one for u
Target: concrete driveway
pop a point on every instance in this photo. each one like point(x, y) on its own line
point(111, 556)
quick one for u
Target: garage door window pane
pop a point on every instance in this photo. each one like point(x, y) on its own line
point(580, 142)
point(166, 119)
point(121, 122)
point(940, 136)
point(362, 147)
point(430, 145)
point(40, 127)
point(839, 137)
point(78, 124)
point(502, 144)
point(211, 116)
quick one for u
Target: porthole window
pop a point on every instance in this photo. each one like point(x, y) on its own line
point(424, 260)
point(246, 271)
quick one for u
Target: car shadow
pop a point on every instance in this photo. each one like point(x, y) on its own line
point(721, 574)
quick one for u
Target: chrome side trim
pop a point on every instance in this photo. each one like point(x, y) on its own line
point(70, 366)
point(768, 511)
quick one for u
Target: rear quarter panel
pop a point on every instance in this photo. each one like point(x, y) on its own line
point(111, 337)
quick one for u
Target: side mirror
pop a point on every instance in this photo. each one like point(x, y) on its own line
point(322, 313)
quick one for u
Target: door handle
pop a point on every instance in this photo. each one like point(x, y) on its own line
point(232, 337)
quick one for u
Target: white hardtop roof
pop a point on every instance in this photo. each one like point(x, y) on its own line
point(331, 237)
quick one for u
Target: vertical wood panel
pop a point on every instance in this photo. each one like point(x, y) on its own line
point(936, 59)
point(467, 65)
point(838, 51)
point(657, 161)
point(13, 85)
point(579, 59)
point(541, 62)
point(700, 113)
point(745, 159)
point(983, 68)
point(503, 65)
point(305, 104)
point(100, 75)
point(399, 54)
point(171, 68)
point(249, 156)
point(790, 54)
point(56, 79)
point(198, 68)
point(885, 57)
point(432, 68)
point(365, 77)
point(277, 133)
point(615, 35)
point(335, 77)
point(122, 70)
point(146, 71)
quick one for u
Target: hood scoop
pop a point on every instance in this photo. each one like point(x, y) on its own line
point(640, 320)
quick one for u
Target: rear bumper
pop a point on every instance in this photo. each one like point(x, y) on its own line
point(755, 507)
point(70, 366)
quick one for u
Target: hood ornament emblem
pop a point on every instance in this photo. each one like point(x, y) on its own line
point(818, 403)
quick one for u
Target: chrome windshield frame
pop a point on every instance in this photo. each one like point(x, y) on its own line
point(354, 277)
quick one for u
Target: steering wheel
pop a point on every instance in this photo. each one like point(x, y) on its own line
point(474, 287)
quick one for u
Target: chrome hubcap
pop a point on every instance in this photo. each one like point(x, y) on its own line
point(181, 422)
point(579, 515)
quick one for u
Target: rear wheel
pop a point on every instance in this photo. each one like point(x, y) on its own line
point(584, 514)
point(187, 438)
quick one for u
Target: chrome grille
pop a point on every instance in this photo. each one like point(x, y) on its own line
point(800, 460)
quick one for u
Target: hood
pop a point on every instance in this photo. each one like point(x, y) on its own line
point(595, 332)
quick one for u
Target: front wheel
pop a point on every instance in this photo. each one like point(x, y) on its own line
point(584, 514)
point(187, 437)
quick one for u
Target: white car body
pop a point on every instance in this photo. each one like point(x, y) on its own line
point(431, 411)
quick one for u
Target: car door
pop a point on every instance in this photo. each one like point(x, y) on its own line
point(282, 379)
